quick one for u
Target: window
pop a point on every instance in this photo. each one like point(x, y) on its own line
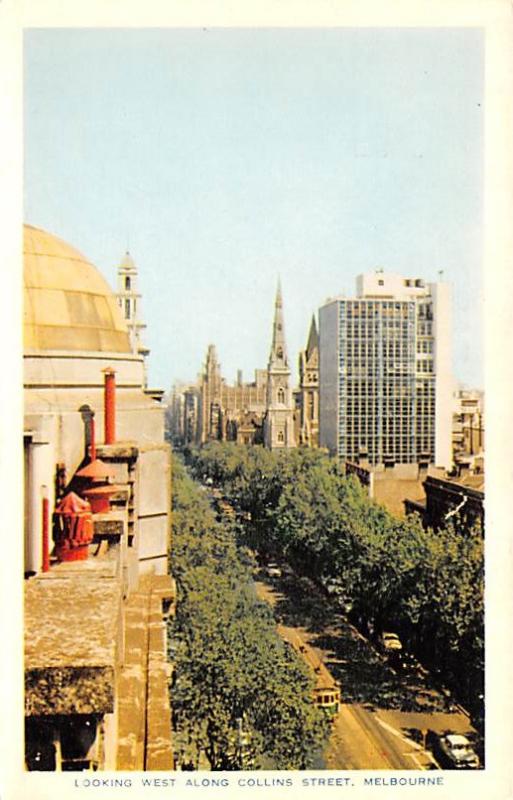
point(279, 352)
point(127, 309)
point(281, 437)
point(127, 283)
point(381, 283)
point(281, 395)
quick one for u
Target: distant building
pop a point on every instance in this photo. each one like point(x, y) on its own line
point(97, 588)
point(279, 414)
point(385, 372)
point(452, 498)
point(183, 414)
point(256, 412)
point(468, 427)
point(307, 395)
point(129, 301)
point(230, 412)
point(459, 499)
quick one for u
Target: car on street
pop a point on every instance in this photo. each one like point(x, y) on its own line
point(454, 751)
point(390, 643)
point(273, 571)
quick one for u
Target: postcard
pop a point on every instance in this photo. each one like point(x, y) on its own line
point(260, 358)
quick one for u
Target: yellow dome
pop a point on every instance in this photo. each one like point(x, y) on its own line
point(67, 305)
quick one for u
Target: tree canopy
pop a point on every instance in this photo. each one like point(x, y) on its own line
point(426, 585)
point(240, 697)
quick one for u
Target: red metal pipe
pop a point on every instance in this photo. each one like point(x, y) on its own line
point(110, 405)
point(92, 434)
point(46, 526)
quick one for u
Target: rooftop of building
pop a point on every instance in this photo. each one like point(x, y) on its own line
point(468, 480)
point(68, 305)
point(71, 638)
point(82, 648)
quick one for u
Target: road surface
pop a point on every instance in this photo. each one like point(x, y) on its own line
point(383, 717)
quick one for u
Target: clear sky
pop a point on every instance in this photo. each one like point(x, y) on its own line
point(227, 157)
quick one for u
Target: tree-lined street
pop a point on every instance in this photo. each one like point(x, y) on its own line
point(338, 570)
point(376, 727)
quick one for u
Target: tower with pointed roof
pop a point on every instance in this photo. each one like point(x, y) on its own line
point(308, 392)
point(279, 416)
point(129, 301)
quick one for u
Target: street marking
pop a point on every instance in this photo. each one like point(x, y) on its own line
point(412, 743)
point(397, 733)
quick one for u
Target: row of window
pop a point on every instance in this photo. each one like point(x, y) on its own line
point(425, 365)
point(365, 308)
point(375, 330)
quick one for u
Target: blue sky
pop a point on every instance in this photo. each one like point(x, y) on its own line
point(227, 157)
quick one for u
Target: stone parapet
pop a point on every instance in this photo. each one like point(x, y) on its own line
point(73, 628)
point(144, 720)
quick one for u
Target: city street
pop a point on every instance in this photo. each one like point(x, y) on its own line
point(384, 716)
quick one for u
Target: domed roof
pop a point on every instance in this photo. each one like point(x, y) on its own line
point(68, 305)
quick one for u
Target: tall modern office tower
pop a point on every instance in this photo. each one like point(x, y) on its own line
point(385, 372)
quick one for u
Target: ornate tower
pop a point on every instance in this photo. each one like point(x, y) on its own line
point(129, 301)
point(279, 417)
point(211, 407)
point(309, 389)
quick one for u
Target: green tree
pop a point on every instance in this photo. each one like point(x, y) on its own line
point(232, 671)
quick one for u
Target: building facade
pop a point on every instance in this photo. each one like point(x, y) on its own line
point(279, 415)
point(97, 588)
point(385, 372)
point(228, 412)
point(258, 412)
point(183, 414)
point(468, 426)
point(307, 395)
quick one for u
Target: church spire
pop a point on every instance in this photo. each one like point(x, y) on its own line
point(313, 338)
point(279, 416)
point(278, 355)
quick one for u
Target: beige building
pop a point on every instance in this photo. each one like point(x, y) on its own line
point(96, 672)
point(256, 412)
point(230, 412)
point(307, 395)
point(468, 426)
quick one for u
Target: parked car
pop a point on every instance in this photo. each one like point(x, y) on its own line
point(333, 588)
point(454, 751)
point(273, 571)
point(390, 642)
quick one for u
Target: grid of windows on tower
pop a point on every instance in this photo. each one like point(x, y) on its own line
point(386, 381)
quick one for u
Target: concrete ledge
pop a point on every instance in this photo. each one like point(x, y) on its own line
point(73, 629)
point(144, 725)
point(159, 751)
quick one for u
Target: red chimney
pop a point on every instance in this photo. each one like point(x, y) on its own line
point(110, 405)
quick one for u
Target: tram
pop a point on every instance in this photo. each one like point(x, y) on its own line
point(326, 693)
